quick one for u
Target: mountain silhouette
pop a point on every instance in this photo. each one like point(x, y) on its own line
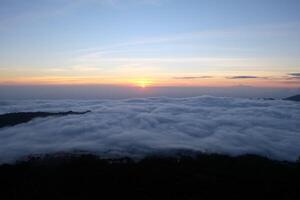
point(293, 98)
point(12, 119)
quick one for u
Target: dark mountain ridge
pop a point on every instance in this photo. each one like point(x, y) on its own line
point(12, 119)
point(293, 98)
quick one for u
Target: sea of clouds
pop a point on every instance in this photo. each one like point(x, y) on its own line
point(139, 127)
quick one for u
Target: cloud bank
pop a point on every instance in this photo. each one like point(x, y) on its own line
point(138, 127)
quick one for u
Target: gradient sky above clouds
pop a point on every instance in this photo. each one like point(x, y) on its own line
point(150, 42)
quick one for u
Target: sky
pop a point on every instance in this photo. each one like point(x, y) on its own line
point(150, 43)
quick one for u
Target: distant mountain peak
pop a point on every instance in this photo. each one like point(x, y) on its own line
point(293, 98)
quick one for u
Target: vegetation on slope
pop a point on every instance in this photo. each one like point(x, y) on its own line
point(199, 177)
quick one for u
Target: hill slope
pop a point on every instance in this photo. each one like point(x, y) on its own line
point(293, 98)
point(200, 177)
point(12, 119)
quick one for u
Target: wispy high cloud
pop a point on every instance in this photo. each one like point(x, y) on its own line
point(244, 31)
point(55, 8)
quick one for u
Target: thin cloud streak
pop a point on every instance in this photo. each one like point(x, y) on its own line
point(294, 75)
point(242, 77)
point(246, 31)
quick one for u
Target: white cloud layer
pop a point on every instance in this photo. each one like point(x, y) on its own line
point(137, 127)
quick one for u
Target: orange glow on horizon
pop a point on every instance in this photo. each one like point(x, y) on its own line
point(149, 82)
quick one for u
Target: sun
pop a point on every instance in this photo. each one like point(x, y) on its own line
point(142, 83)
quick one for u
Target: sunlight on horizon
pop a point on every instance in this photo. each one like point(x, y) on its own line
point(142, 83)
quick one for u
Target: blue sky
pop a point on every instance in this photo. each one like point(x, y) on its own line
point(150, 41)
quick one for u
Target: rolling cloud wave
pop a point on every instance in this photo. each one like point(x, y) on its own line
point(138, 127)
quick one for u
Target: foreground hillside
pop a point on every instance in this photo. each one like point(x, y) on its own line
point(200, 177)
